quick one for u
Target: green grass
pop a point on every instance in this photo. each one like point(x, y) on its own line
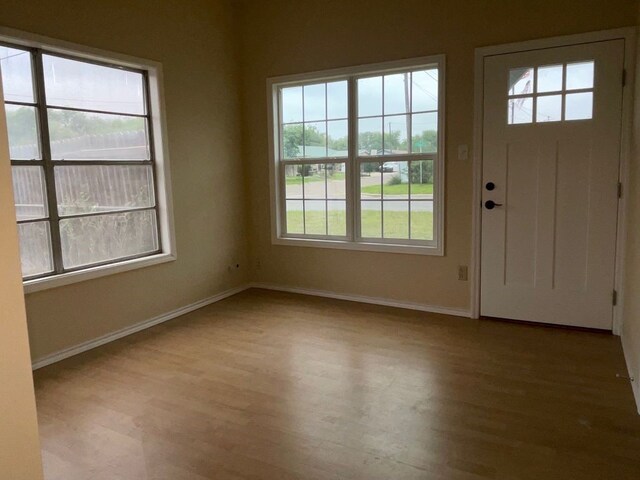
point(399, 189)
point(396, 224)
point(316, 222)
point(297, 180)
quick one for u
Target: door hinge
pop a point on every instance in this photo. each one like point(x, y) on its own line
point(615, 297)
point(624, 77)
point(619, 189)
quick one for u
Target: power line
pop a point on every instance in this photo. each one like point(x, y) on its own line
point(14, 55)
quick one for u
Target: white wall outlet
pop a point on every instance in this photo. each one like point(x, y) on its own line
point(463, 152)
point(463, 273)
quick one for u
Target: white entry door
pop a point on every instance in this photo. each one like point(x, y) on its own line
point(551, 156)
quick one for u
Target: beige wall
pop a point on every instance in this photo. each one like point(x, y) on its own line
point(19, 443)
point(284, 37)
point(631, 327)
point(195, 41)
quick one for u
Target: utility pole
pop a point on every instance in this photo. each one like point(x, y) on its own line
point(407, 109)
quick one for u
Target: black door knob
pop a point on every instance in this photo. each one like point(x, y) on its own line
point(490, 186)
point(490, 204)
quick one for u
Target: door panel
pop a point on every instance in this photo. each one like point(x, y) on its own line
point(520, 226)
point(551, 146)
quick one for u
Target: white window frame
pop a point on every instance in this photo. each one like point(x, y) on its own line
point(352, 241)
point(160, 145)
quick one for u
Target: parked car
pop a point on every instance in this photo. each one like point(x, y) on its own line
point(387, 167)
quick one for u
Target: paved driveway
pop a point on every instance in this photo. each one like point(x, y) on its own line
point(336, 188)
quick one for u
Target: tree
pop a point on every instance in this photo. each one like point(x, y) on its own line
point(293, 139)
point(64, 124)
point(341, 143)
point(370, 141)
point(369, 167)
point(422, 172)
point(20, 125)
point(304, 170)
point(427, 141)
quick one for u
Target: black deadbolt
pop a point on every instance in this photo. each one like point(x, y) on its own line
point(490, 186)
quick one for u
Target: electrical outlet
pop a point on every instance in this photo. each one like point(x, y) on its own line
point(463, 273)
point(463, 152)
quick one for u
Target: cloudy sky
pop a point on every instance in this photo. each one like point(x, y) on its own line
point(383, 101)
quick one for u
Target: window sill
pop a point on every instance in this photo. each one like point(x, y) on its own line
point(361, 246)
point(38, 284)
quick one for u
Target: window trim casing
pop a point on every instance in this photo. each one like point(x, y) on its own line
point(352, 242)
point(158, 142)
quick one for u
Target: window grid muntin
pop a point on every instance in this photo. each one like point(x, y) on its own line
point(48, 165)
point(353, 160)
point(142, 73)
point(409, 113)
point(304, 199)
point(156, 235)
point(564, 91)
point(303, 122)
point(47, 223)
point(44, 193)
point(381, 160)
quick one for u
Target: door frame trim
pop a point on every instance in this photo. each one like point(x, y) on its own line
point(628, 34)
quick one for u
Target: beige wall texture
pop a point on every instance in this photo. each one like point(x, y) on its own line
point(195, 42)
point(284, 37)
point(216, 56)
point(19, 443)
point(631, 326)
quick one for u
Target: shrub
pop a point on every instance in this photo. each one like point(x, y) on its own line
point(304, 170)
point(395, 180)
point(422, 172)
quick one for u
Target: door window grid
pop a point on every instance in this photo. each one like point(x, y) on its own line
point(55, 236)
point(551, 93)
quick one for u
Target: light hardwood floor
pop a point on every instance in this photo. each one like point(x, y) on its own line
point(268, 385)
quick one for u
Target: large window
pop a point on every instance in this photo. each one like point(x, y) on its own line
point(357, 157)
point(82, 154)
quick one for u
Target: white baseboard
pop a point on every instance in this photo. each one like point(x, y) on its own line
point(633, 373)
point(458, 312)
point(110, 337)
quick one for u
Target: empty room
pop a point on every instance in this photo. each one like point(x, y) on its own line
point(319, 240)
